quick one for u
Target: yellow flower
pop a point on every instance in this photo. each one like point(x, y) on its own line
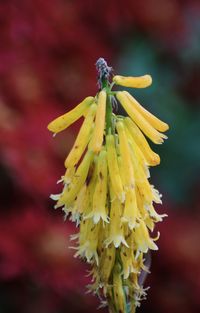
point(118, 291)
point(141, 121)
point(82, 139)
point(64, 121)
point(134, 82)
point(100, 193)
point(106, 188)
point(97, 137)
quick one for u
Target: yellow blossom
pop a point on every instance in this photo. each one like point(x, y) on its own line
point(106, 188)
point(127, 169)
point(64, 121)
point(82, 138)
point(97, 137)
point(151, 157)
point(134, 82)
point(114, 168)
point(152, 119)
point(116, 229)
point(139, 119)
point(119, 295)
point(69, 193)
point(100, 193)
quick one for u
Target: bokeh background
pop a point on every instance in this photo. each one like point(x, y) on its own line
point(47, 54)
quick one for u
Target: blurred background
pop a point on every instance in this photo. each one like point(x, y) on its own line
point(47, 54)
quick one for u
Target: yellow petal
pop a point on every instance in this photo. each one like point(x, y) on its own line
point(119, 296)
point(114, 168)
point(106, 263)
point(128, 259)
point(142, 183)
point(151, 157)
point(137, 117)
point(133, 82)
point(116, 231)
point(80, 202)
point(70, 193)
point(130, 213)
point(139, 163)
point(142, 238)
point(125, 153)
point(100, 193)
point(97, 137)
point(64, 121)
point(152, 119)
point(88, 249)
point(82, 139)
point(68, 176)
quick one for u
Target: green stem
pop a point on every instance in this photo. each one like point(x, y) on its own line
point(108, 115)
point(105, 84)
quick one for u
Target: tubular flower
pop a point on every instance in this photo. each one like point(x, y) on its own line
point(106, 188)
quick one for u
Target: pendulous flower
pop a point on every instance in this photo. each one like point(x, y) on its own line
point(106, 188)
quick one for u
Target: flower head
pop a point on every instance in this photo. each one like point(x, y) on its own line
point(106, 188)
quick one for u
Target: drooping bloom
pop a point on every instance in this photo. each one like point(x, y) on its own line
point(106, 188)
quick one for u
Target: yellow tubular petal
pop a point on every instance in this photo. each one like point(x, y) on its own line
point(97, 137)
point(118, 291)
point(152, 119)
point(106, 263)
point(133, 82)
point(142, 183)
point(80, 201)
point(88, 248)
point(82, 139)
point(103, 233)
point(151, 157)
point(126, 157)
point(85, 224)
point(68, 176)
point(92, 242)
point(116, 231)
point(128, 258)
point(64, 121)
point(100, 192)
point(121, 170)
point(130, 213)
point(145, 216)
point(79, 178)
point(114, 168)
point(142, 238)
point(139, 161)
point(140, 204)
point(156, 195)
point(83, 233)
point(136, 116)
point(154, 215)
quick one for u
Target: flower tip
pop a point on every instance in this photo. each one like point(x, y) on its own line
point(133, 82)
point(131, 224)
point(54, 197)
point(97, 217)
point(148, 79)
point(50, 127)
point(153, 246)
point(165, 127)
point(155, 160)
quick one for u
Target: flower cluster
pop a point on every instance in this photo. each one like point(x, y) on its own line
point(106, 187)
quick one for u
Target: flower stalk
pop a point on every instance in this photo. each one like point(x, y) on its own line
point(107, 192)
point(104, 72)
